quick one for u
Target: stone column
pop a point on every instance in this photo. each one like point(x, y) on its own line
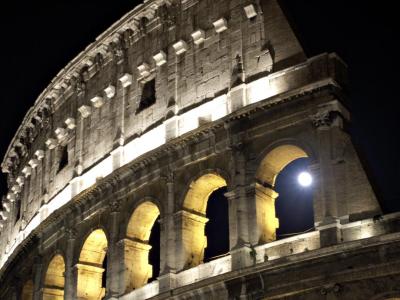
point(328, 225)
point(243, 229)
point(89, 282)
point(70, 274)
point(168, 259)
point(137, 268)
point(114, 271)
point(37, 278)
point(190, 239)
point(16, 290)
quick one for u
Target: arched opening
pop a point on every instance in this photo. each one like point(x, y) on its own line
point(270, 167)
point(27, 291)
point(217, 227)
point(138, 270)
point(194, 217)
point(154, 253)
point(293, 195)
point(54, 279)
point(90, 267)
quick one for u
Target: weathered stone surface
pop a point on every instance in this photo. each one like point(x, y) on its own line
point(159, 114)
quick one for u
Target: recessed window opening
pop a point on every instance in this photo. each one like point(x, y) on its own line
point(17, 210)
point(63, 158)
point(148, 97)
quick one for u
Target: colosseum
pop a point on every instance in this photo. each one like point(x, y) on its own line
point(176, 101)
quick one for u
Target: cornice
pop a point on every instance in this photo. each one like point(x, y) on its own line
point(123, 31)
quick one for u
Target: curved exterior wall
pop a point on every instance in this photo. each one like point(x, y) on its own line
point(112, 71)
point(173, 91)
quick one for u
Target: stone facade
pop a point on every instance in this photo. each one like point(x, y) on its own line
point(176, 100)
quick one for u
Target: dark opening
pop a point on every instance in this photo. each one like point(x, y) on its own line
point(217, 228)
point(63, 158)
point(148, 95)
point(17, 210)
point(294, 206)
point(104, 277)
point(154, 254)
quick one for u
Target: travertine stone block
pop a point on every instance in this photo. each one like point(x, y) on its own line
point(126, 80)
point(160, 58)
point(39, 154)
point(198, 36)
point(220, 25)
point(27, 171)
point(61, 133)
point(180, 47)
point(51, 143)
point(20, 180)
point(85, 111)
point(11, 197)
point(144, 70)
point(33, 162)
point(110, 91)
point(97, 101)
point(70, 122)
point(250, 11)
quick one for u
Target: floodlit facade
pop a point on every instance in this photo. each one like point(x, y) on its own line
point(176, 100)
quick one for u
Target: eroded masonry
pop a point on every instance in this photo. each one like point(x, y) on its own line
point(176, 100)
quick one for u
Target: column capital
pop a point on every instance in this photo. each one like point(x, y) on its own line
point(71, 233)
point(115, 206)
point(331, 114)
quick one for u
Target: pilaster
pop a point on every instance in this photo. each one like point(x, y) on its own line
point(114, 255)
point(70, 274)
point(37, 275)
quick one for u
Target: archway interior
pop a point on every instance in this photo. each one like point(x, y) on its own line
point(90, 266)
point(217, 227)
point(294, 206)
point(27, 290)
point(137, 246)
point(154, 254)
point(194, 217)
point(271, 165)
point(54, 279)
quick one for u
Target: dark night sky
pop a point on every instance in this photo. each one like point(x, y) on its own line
point(39, 39)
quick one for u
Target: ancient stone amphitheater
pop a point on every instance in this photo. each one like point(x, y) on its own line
point(177, 99)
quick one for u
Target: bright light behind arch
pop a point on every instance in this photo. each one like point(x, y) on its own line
point(304, 179)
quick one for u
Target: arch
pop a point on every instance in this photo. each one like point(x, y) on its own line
point(54, 279)
point(391, 295)
point(275, 160)
point(269, 168)
point(200, 189)
point(27, 290)
point(194, 216)
point(90, 267)
point(136, 245)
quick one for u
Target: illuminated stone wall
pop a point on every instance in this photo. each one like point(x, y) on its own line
point(176, 100)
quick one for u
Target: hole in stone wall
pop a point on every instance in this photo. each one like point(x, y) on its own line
point(154, 254)
point(148, 97)
point(217, 228)
point(17, 210)
point(63, 158)
point(294, 205)
point(104, 277)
